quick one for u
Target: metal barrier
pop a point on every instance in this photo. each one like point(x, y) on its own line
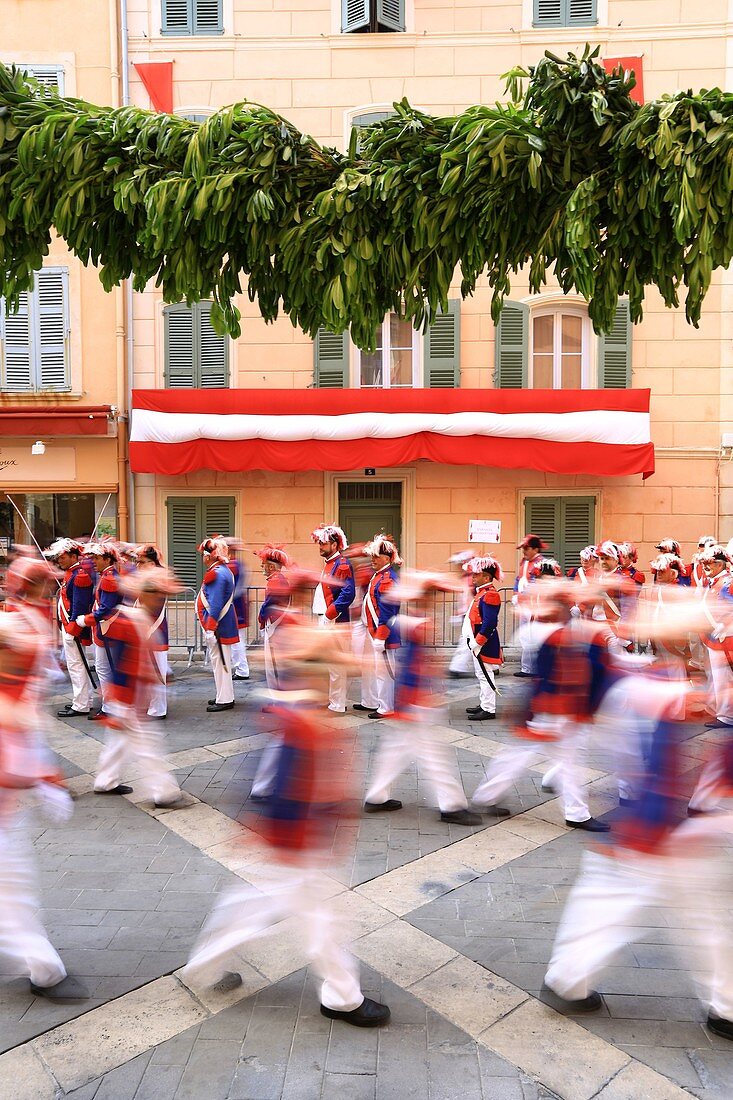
point(184, 629)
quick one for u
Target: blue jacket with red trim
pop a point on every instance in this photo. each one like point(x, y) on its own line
point(339, 597)
point(239, 573)
point(277, 598)
point(77, 596)
point(215, 604)
point(379, 594)
point(107, 602)
point(484, 617)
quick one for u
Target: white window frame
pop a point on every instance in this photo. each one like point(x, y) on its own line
point(557, 309)
point(38, 69)
point(186, 112)
point(417, 365)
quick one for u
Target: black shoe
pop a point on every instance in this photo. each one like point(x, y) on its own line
point(238, 677)
point(382, 807)
point(627, 801)
point(589, 826)
point(96, 716)
point(523, 675)
point(591, 1003)
point(497, 811)
point(360, 706)
point(228, 981)
point(459, 675)
point(215, 707)
point(69, 712)
point(461, 817)
point(474, 710)
point(368, 1014)
point(157, 717)
point(376, 714)
point(720, 1026)
point(718, 725)
point(121, 788)
point(259, 798)
point(66, 992)
point(179, 800)
point(549, 788)
point(482, 716)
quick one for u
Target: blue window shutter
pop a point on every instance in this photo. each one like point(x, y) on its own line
point(212, 350)
point(180, 366)
point(548, 13)
point(331, 360)
point(17, 346)
point(391, 14)
point(442, 349)
point(512, 346)
point(177, 16)
point(614, 352)
point(354, 15)
point(51, 295)
point(208, 17)
point(580, 13)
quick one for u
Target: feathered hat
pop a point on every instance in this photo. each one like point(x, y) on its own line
point(273, 553)
point(329, 532)
point(486, 564)
point(381, 545)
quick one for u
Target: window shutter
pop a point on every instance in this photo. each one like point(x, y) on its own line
point(354, 15)
point(213, 350)
point(331, 367)
point(391, 14)
point(442, 347)
point(614, 352)
point(580, 13)
point(177, 16)
point(512, 342)
point(217, 516)
point(548, 13)
point(578, 527)
point(183, 539)
point(52, 306)
point(542, 517)
point(207, 17)
point(179, 346)
point(15, 330)
point(50, 77)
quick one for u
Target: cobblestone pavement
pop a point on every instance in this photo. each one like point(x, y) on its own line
point(453, 926)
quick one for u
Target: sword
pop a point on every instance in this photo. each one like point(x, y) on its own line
point(386, 661)
point(92, 676)
point(482, 666)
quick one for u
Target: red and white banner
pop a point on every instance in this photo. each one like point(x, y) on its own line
point(601, 432)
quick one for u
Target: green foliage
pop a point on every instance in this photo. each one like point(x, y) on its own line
point(569, 175)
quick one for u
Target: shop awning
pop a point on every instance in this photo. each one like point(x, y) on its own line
point(47, 420)
point(600, 432)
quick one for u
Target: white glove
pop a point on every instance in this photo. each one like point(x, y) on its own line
point(81, 620)
point(380, 645)
point(720, 633)
point(475, 648)
point(56, 802)
point(575, 612)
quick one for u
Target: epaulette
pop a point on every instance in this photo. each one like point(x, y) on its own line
point(209, 576)
point(343, 570)
point(82, 579)
point(109, 582)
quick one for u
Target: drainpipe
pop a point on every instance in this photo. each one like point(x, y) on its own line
point(128, 293)
point(120, 400)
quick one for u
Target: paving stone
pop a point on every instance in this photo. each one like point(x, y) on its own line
point(209, 1070)
point(159, 1082)
point(402, 1063)
point(348, 1086)
point(123, 1083)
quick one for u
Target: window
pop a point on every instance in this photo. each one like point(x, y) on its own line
point(34, 339)
point(566, 524)
point(195, 356)
point(192, 17)
point(196, 114)
point(56, 515)
point(403, 357)
point(360, 121)
point(553, 347)
point(50, 77)
point(372, 16)
point(564, 13)
point(190, 521)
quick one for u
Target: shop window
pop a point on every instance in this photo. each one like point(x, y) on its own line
point(372, 16)
point(195, 356)
point(190, 521)
point(55, 515)
point(403, 358)
point(543, 347)
point(192, 17)
point(34, 338)
point(564, 13)
point(566, 524)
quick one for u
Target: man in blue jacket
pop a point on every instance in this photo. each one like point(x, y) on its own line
point(215, 610)
point(332, 600)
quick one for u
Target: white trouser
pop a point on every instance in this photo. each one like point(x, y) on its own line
point(513, 761)
point(362, 646)
point(104, 672)
point(708, 792)
point(601, 916)
point(142, 743)
point(527, 642)
point(240, 664)
point(462, 659)
point(244, 914)
point(272, 665)
point(22, 936)
point(221, 666)
point(338, 677)
point(722, 678)
point(264, 779)
point(410, 741)
point(486, 694)
point(81, 688)
point(384, 673)
point(158, 705)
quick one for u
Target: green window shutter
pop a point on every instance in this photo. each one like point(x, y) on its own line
point(177, 17)
point(211, 350)
point(52, 326)
point(180, 353)
point(354, 15)
point(217, 517)
point(331, 366)
point(614, 352)
point(577, 528)
point(15, 336)
point(512, 343)
point(442, 347)
point(580, 13)
point(184, 525)
point(208, 17)
point(391, 14)
point(548, 13)
point(542, 517)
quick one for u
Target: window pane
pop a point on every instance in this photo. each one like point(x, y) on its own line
point(400, 332)
point(542, 335)
point(401, 367)
point(371, 364)
point(572, 334)
point(572, 372)
point(542, 372)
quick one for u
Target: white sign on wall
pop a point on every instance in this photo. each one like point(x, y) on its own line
point(484, 530)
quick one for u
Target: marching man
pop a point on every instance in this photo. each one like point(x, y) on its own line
point(101, 618)
point(719, 642)
point(75, 598)
point(215, 610)
point(274, 606)
point(240, 664)
point(381, 620)
point(531, 547)
point(481, 634)
point(332, 601)
point(149, 557)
